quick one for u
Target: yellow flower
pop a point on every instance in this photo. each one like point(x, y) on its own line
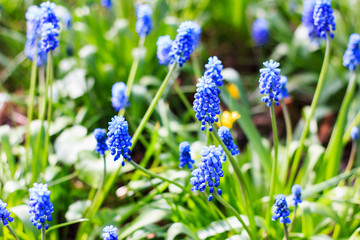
point(227, 119)
point(233, 90)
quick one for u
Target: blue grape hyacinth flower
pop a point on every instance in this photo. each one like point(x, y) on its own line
point(296, 194)
point(281, 210)
point(207, 102)
point(209, 170)
point(351, 56)
point(40, 206)
point(5, 214)
point(283, 90)
point(48, 14)
point(354, 133)
point(49, 36)
point(269, 82)
point(119, 99)
point(260, 32)
point(164, 44)
point(119, 140)
point(324, 20)
point(106, 4)
point(144, 22)
point(308, 19)
point(185, 157)
point(186, 40)
point(213, 70)
point(225, 136)
point(100, 136)
point(109, 233)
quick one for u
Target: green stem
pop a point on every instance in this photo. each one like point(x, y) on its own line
point(236, 214)
point(196, 65)
point(151, 108)
point(293, 221)
point(11, 230)
point(286, 231)
point(288, 127)
point(36, 163)
point(274, 163)
point(43, 233)
point(350, 162)
point(314, 103)
point(30, 112)
point(184, 99)
point(49, 115)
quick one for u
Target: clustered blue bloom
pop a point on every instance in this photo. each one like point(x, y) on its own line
point(100, 136)
point(225, 136)
point(281, 210)
point(109, 233)
point(119, 140)
point(40, 205)
point(308, 19)
point(119, 99)
point(209, 170)
point(296, 195)
point(106, 4)
point(144, 21)
point(351, 56)
point(164, 44)
point(269, 82)
point(354, 133)
point(186, 41)
point(185, 157)
point(260, 32)
point(5, 214)
point(324, 20)
point(48, 37)
point(213, 70)
point(283, 90)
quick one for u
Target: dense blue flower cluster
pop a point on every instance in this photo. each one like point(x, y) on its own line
point(260, 32)
point(308, 19)
point(324, 20)
point(296, 195)
point(269, 82)
point(48, 37)
point(106, 4)
point(144, 21)
point(119, 140)
point(100, 137)
point(213, 70)
point(225, 136)
point(281, 210)
point(164, 44)
point(40, 205)
point(48, 14)
point(354, 133)
point(283, 90)
point(109, 233)
point(186, 40)
point(207, 102)
point(4, 214)
point(351, 56)
point(185, 157)
point(119, 99)
point(209, 170)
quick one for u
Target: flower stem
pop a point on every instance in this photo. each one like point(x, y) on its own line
point(314, 103)
point(286, 234)
point(43, 233)
point(151, 108)
point(184, 99)
point(12, 232)
point(288, 127)
point(274, 163)
point(350, 163)
point(293, 220)
point(236, 214)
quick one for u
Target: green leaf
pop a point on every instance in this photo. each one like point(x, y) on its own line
point(60, 225)
point(180, 228)
point(76, 210)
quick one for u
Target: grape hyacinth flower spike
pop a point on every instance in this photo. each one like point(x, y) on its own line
point(269, 82)
point(351, 56)
point(5, 214)
point(49, 26)
point(119, 140)
point(40, 206)
point(100, 136)
point(186, 40)
point(213, 70)
point(260, 32)
point(324, 20)
point(226, 137)
point(119, 98)
point(164, 44)
point(283, 90)
point(281, 210)
point(354, 133)
point(308, 19)
point(106, 4)
point(296, 195)
point(185, 157)
point(209, 170)
point(109, 233)
point(144, 22)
